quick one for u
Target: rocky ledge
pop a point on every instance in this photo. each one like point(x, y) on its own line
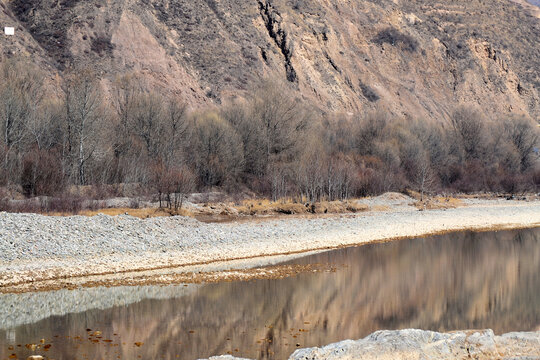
point(419, 344)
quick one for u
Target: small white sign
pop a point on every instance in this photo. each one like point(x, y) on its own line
point(9, 30)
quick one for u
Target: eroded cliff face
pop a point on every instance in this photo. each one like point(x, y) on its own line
point(416, 58)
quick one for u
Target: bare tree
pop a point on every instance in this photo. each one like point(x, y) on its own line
point(183, 182)
point(239, 116)
point(425, 178)
point(310, 172)
point(125, 92)
point(217, 151)
point(281, 121)
point(469, 129)
point(126, 89)
point(370, 129)
point(279, 178)
point(268, 142)
point(44, 129)
point(172, 184)
point(148, 122)
point(176, 132)
point(339, 178)
point(82, 101)
point(524, 135)
point(20, 97)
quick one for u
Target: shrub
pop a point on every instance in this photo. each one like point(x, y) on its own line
point(101, 45)
point(172, 184)
point(41, 173)
point(368, 92)
point(394, 37)
point(63, 204)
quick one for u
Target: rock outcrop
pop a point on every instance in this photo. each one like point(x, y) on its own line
point(415, 58)
point(419, 344)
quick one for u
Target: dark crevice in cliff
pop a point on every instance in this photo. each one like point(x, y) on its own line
point(272, 23)
point(332, 63)
point(264, 56)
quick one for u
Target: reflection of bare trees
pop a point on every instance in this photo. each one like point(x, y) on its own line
point(457, 281)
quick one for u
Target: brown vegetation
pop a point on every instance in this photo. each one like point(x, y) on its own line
point(262, 207)
point(144, 213)
point(271, 145)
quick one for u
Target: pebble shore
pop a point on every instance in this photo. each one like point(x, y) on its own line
point(35, 247)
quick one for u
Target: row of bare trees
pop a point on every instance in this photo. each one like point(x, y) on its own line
point(56, 134)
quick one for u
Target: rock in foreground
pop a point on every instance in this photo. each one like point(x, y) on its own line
point(419, 344)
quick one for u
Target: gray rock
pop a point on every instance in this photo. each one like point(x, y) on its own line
point(424, 345)
point(418, 344)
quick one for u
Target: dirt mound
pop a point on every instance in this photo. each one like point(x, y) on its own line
point(394, 197)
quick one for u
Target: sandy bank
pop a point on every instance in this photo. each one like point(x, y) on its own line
point(40, 250)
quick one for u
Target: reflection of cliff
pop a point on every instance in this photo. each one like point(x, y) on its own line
point(457, 281)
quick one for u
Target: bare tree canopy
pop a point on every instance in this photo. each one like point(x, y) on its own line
point(78, 132)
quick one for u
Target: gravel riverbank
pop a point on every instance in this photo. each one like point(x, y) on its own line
point(36, 248)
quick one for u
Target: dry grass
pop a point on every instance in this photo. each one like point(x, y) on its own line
point(482, 196)
point(414, 194)
point(434, 202)
point(139, 213)
point(339, 207)
point(451, 201)
point(266, 207)
point(381, 208)
point(212, 212)
point(438, 202)
point(232, 211)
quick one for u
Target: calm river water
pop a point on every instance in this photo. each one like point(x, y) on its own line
point(450, 282)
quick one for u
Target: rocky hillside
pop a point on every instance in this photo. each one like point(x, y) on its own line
point(416, 58)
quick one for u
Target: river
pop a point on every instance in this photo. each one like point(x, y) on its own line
point(450, 282)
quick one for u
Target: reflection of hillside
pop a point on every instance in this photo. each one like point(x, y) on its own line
point(457, 281)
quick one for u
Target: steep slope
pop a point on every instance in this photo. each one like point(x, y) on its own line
point(21, 45)
point(417, 58)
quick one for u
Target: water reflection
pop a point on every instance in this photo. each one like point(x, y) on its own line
point(450, 282)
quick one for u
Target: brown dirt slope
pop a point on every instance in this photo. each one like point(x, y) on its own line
point(416, 58)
